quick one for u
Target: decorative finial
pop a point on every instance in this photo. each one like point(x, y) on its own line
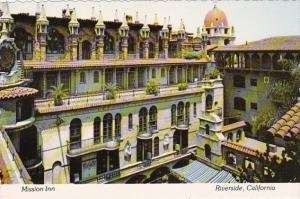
point(137, 17)
point(169, 21)
point(124, 23)
point(38, 8)
point(100, 19)
point(42, 17)
point(155, 19)
point(116, 16)
point(93, 13)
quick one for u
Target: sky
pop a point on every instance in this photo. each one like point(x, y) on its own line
point(252, 20)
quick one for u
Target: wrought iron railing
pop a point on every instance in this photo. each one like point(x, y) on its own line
point(148, 131)
point(92, 144)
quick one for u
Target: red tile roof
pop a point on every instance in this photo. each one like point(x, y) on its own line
point(240, 148)
point(281, 43)
point(289, 124)
point(16, 92)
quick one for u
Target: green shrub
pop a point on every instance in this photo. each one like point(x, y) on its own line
point(152, 87)
point(193, 54)
point(111, 91)
point(213, 74)
point(182, 86)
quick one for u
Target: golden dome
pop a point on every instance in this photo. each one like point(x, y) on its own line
point(215, 18)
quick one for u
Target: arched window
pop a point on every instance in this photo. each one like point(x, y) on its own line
point(153, 73)
point(97, 127)
point(107, 127)
point(130, 123)
point(249, 164)
point(266, 61)
point(153, 117)
point(187, 113)
point(57, 173)
point(96, 77)
point(24, 42)
point(86, 50)
point(180, 116)
point(226, 42)
point(118, 118)
point(163, 72)
point(207, 129)
point(151, 50)
point(173, 115)
point(156, 146)
point(75, 133)
point(108, 44)
point(207, 151)
point(238, 135)
point(255, 61)
point(239, 81)
point(230, 136)
point(208, 102)
point(239, 104)
point(195, 109)
point(55, 42)
point(130, 45)
point(82, 78)
point(143, 120)
point(231, 159)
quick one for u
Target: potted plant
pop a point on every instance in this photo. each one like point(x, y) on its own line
point(152, 87)
point(111, 91)
point(182, 86)
point(58, 93)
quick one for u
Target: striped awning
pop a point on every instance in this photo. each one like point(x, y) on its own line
point(197, 172)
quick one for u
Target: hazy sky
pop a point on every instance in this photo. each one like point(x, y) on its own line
point(252, 19)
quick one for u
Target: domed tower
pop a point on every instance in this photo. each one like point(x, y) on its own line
point(218, 30)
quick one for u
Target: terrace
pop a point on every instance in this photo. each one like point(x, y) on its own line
point(99, 99)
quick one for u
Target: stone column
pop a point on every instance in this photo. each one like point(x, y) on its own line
point(100, 49)
point(74, 48)
point(113, 128)
point(176, 75)
point(146, 49)
point(103, 78)
point(136, 77)
point(166, 48)
point(114, 76)
point(126, 70)
point(79, 50)
point(137, 49)
point(125, 47)
point(156, 49)
point(117, 48)
point(58, 78)
point(93, 53)
point(44, 85)
point(250, 60)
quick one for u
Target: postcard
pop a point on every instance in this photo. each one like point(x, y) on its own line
point(197, 98)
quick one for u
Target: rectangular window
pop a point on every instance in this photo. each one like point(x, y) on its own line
point(130, 121)
point(195, 110)
point(239, 81)
point(253, 106)
point(253, 82)
point(82, 78)
point(153, 73)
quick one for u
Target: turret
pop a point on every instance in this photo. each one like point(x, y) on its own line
point(6, 17)
point(42, 22)
point(73, 24)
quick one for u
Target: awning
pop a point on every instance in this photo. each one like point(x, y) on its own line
point(197, 172)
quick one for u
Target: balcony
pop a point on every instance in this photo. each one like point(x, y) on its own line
point(147, 134)
point(182, 125)
point(92, 145)
point(33, 162)
point(20, 125)
point(125, 96)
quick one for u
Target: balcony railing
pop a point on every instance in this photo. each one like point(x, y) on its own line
point(109, 56)
point(182, 124)
point(92, 144)
point(147, 133)
point(53, 57)
point(16, 158)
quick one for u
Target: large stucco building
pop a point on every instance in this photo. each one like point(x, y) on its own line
point(93, 136)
